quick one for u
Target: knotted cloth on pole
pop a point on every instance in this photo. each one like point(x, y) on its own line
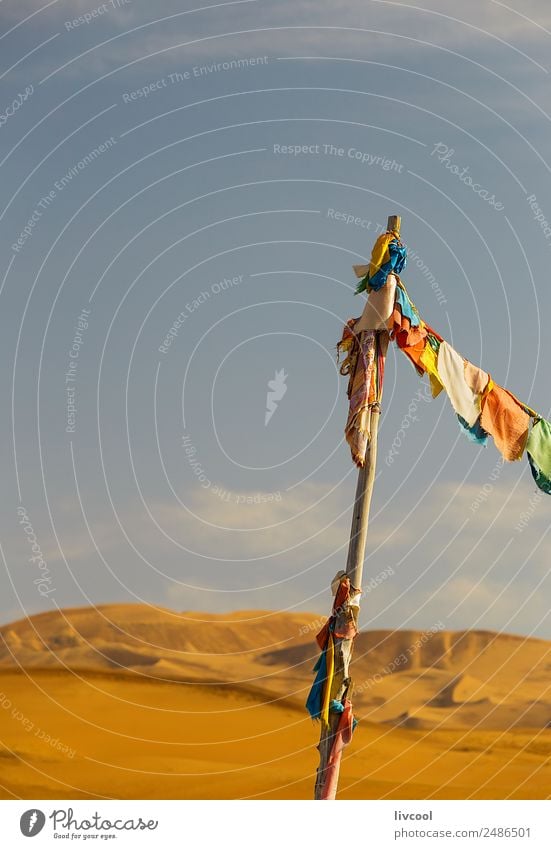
point(328, 699)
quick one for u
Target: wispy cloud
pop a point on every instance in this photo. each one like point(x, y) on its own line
point(172, 37)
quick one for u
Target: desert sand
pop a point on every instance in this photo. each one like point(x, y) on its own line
point(128, 701)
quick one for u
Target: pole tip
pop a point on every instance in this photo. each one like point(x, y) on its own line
point(394, 223)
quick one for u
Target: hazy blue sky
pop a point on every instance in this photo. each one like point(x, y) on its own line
point(165, 172)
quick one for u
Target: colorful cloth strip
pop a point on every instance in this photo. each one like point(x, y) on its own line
point(343, 735)
point(483, 408)
point(314, 701)
point(388, 255)
point(341, 613)
point(538, 448)
point(365, 364)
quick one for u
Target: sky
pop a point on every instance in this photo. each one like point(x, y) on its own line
point(185, 189)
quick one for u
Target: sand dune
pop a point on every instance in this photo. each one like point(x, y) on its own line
point(464, 677)
point(158, 704)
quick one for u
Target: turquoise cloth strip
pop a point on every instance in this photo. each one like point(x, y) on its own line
point(397, 263)
point(476, 433)
point(542, 481)
point(315, 696)
point(406, 307)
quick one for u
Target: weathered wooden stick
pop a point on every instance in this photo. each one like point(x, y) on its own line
point(362, 503)
point(394, 222)
point(354, 565)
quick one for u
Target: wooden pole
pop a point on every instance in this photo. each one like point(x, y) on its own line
point(394, 222)
point(362, 503)
point(354, 564)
